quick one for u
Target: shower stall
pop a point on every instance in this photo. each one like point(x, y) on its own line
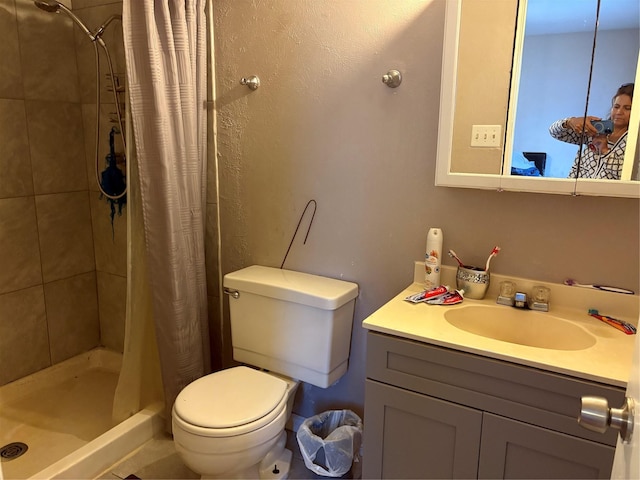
point(63, 233)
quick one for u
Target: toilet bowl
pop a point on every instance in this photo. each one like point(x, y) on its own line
point(230, 424)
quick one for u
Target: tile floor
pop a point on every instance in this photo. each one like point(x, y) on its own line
point(157, 459)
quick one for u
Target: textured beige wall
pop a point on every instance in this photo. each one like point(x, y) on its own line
point(323, 126)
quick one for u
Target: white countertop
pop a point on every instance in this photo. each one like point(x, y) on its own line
point(608, 361)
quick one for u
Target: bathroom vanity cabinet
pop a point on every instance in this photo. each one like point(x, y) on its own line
point(436, 412)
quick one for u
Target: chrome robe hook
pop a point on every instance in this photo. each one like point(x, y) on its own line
point(392, 78)
point(253, 82)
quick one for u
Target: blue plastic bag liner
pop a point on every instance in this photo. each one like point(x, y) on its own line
point(330, 442)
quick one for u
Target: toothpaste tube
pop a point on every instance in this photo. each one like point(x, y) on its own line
point(428, 294)
point(450, 298)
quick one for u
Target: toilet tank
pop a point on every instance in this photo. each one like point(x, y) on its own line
point(292, 323)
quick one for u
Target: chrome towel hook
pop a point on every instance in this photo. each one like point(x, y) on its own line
point(253, 82)
point(392, 78)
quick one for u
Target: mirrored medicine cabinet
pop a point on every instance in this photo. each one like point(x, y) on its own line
point(513, 67)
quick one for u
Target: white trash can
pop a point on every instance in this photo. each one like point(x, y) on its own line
point(330, 442)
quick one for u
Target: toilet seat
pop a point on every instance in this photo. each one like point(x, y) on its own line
point(230, 402)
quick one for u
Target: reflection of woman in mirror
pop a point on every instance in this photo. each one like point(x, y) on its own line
point(604, 155)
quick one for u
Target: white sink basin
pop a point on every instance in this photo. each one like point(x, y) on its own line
point(523, 327)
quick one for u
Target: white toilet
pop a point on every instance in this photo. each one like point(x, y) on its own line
point(296, 326)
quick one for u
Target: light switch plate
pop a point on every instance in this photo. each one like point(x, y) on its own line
point(485, 135)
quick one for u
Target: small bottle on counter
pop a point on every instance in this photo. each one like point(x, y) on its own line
point(433, 258)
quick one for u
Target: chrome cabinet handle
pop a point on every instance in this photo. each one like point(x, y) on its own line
point(596, 415)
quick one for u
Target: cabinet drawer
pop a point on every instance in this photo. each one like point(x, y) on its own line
point(523, 393)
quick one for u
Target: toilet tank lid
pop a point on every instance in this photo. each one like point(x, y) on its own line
point(312, 290)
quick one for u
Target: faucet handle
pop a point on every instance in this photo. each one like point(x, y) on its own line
point(507, 292)
point(540, 298)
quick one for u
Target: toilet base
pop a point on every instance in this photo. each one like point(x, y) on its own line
point(277, 469)
point(274, 466)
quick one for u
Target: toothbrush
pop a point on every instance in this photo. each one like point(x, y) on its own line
point(493, 253)
point(452, 254)
point(605, 288)
point(614, 322)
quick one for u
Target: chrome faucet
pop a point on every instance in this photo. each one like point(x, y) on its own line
point(520, 300)
point(537, 300)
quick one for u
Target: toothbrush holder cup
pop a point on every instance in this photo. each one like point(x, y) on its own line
point(473, 280)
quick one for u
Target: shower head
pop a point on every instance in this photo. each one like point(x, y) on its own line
point(47, 7)
point(53, 6)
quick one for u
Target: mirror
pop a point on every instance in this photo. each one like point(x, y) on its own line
point(502, 93)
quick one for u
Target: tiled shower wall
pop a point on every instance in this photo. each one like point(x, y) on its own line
point(62, 268)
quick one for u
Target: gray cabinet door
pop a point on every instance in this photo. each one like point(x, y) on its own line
point(512, 449)
point(410, 435)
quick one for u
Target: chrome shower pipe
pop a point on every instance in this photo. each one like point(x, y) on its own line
point(118, 114)
point(97, 35)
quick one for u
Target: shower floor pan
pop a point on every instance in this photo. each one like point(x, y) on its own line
point(63, 416)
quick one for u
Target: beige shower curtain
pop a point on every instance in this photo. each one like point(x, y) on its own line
point(165, 48)
point(140, 381)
